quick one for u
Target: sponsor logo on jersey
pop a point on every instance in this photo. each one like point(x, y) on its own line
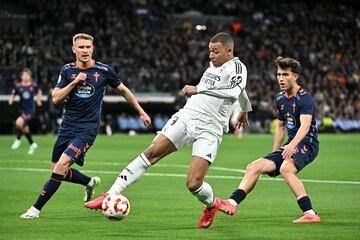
point(84, 90)
point(290, 121)
point(210, 78)
point(26, 95)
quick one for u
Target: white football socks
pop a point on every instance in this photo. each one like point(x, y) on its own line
point(205, 194)
point(130, 174)
point(311, 211)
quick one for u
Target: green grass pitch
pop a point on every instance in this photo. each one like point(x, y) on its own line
point(162, 207)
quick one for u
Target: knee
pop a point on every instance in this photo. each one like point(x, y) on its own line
point(19, 124)
point(61, 167)
point(286, 171)
point(253, 168)
point(193, 183)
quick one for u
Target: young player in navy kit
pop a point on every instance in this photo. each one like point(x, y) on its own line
point(82, 86)
point(296, 113)
point(27, 91)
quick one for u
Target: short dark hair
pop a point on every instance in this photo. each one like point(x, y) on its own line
point(224, 38)
point(285, 62)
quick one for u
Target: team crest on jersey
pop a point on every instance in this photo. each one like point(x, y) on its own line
point(290, 121)
point(84, 90)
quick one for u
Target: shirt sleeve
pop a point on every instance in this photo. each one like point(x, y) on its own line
point(245, 104)
point(15, 91)
point(62, 79)
point(278, 112)
point(36, 88)
point(307, 105)
point(112, 78)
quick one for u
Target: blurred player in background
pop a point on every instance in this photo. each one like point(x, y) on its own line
point(201, 122)
point(82, 86)
point(27, 91)
point(296, 114)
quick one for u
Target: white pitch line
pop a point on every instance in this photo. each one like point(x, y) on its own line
point(184, 175)
point(163, 165)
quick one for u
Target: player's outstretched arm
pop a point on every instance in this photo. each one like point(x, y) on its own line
point(59, 94)
point(131, 99)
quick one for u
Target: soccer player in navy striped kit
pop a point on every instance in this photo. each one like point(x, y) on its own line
point(81, 85)
point(28, 92)
point(296, 114)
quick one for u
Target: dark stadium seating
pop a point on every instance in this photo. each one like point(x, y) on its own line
point(154, 45)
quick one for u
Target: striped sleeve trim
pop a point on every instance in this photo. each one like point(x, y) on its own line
point(238, 67)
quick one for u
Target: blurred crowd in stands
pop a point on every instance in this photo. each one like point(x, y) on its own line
point(155, 50)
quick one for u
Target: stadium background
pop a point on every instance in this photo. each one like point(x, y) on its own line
point(156, 49)
point(159, 46)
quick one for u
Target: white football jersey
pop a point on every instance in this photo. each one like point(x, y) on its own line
point(218, 89)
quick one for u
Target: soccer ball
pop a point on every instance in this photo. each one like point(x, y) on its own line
point(115, 207)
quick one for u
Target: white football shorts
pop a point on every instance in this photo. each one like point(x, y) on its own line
point(195, 131)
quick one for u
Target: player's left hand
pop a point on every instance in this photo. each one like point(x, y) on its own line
point(288, 151)
point(188, 90)
point(145, 118)
point(242, 120)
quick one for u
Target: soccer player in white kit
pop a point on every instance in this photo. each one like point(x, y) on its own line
point(201, 122)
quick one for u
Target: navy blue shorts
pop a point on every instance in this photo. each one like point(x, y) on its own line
point(304, 155)
point(27, 116)
point(74, 142)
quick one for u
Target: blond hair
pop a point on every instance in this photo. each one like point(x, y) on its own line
point(27, 70)
point(82, 36)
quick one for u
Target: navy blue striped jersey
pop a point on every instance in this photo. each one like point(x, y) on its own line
point(27, 93)
point(83, 105)
point(289, 110)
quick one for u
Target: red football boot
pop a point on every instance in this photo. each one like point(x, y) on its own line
point(208, 216)
point(97, 202)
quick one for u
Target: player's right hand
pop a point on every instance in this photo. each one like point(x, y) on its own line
point(80, 77)
point(242, 120)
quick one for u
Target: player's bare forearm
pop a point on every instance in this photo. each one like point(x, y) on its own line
point(280, 133)
point(290, 149)
point(11, 100)
point(59, 94)
point(305, 122)
point(131, 99)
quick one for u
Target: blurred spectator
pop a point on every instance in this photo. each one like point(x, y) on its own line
point(160, 121)
point(154, 51)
